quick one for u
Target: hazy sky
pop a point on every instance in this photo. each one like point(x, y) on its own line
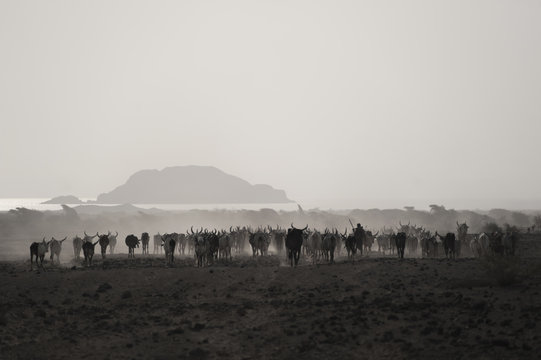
point(374, 101)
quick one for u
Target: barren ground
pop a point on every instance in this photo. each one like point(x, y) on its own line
point(376, 307)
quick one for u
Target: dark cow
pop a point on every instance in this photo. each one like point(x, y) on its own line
point(88, 252)
point(448, 244)
point(38, 250)
point(369, 241)
point(259, 241)
point(360, 237)
point(131, 242)
point(294, 240)
point(400, 241)
point(104, 242)
point(509, 242)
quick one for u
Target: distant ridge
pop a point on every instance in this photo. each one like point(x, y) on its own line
point(66, 199)
point(190, 185)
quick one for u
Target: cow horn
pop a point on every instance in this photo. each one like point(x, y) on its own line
point(85, 233)
point(306, 227)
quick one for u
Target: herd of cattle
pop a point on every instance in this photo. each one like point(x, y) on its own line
point(207, 246)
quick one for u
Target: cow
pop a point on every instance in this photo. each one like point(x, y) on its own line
point(224, 246)
point(351, 246)
point(169, 241)
point(56, 248)
point(429, 246)
point(448, 244)
point(462, 233)
point(103, 240)
point(145, 239)
point(88, 251)
point(475, 246)
point(495, 243)
point(157, 240)
point(360, 237)
point(112, 242)
point(278, 237)
point(38, 249)
point(384, 243)
point(181, 244)
point(89, 238)
point(132, 242)
point(483, 244)
point(369, 241)
point(260, 241)
point(77, 247)
point(294, 239)
point(400, 242)
point(213, 243)
point(201, 249)
point(313, 245)
point(509, 242)
point(328, 246)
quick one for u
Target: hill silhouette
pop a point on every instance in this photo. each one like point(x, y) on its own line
point(190, 185)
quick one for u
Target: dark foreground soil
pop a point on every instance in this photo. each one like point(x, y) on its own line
point(374, 308)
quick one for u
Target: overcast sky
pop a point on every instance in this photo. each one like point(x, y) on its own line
point(378, 102)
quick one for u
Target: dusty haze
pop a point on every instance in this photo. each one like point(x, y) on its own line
point(377, 103)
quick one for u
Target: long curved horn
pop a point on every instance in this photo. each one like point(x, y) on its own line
point(457, 224)
point(64, 239)
point(85, 233)
point(191, 229)
point(400, 222)
point(116, 233)
point(231, 227)
point(306, 227)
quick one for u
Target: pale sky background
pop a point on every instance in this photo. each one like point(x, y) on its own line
point(382, 103)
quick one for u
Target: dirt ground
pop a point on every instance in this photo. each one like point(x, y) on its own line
point(373, 308)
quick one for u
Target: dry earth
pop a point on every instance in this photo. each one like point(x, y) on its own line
point(373, 308)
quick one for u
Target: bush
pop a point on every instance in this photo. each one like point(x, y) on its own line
point(491, 227)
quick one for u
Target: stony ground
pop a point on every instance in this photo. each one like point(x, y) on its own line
point(373, 308)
